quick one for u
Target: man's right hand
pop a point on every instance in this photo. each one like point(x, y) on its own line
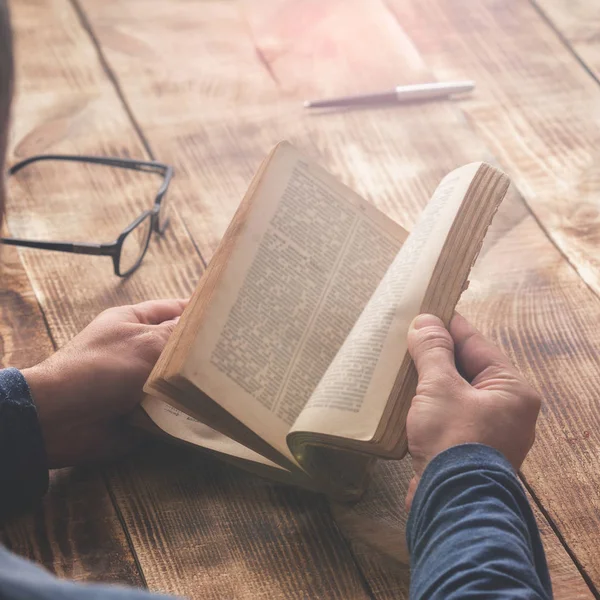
point(468, 392)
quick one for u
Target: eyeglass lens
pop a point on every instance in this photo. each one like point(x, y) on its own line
point(134, 246)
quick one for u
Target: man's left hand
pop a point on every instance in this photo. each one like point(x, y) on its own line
point(85, 391)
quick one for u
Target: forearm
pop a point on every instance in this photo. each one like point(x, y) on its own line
point(471, 532)
point(23, 469)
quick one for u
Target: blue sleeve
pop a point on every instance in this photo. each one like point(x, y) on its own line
point(23, 465)
point(471, 532)
point(23, 481)
point(22, 580)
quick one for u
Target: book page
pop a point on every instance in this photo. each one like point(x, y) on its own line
point(352, 395)
point(310, 255)
point(183, 427)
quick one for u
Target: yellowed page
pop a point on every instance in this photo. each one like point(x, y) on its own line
point(352, 395)
point(309, 257)
point(183, 427)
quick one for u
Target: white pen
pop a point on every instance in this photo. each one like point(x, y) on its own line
point(401, 93)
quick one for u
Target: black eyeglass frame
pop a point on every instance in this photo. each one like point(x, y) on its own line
point(112, 249)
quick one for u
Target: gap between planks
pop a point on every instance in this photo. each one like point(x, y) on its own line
point(560, 538)
point(85, 24)
point(87, 27)
point(121, 518)
point(547, 234)
point(110, 74)
point(526, 204)
point(564, 40)
point(83, 21)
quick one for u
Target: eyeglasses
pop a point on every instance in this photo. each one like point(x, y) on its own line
point(128, 250)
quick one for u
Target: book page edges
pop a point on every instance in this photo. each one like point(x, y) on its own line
point(185, 396)
point(440, 303)
point(173, 420)
point(266, 470)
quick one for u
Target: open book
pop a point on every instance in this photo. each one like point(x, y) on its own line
point(291, 358)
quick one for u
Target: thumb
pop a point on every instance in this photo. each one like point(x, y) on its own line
point(431, 347)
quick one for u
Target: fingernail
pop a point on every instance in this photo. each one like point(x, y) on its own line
point(424, 320)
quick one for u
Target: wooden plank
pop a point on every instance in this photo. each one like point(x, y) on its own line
point(76, 533)
point(68, 105)
point(214, 531)
point(240, 95)
point(375, 527)
point(566, 581)
point(578, 23)
point(23, 338)
point(535, 107)
point(539, 112)
point(231, 110)
point(537, 311)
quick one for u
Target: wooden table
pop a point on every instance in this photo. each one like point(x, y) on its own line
point(209, 86)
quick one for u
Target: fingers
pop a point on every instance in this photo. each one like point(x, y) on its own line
point(168, 326)
point(431, 347)
point(473, 352)
point(153, 312)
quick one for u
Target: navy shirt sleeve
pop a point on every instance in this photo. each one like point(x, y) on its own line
point(23, 481)
point(23, 464)
point(471, 532)
point(22, 580)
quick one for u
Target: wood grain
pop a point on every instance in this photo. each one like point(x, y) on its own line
point(538, 110)
point(566, 581)
point(233, 105)
point(68, 105)
point(208, 530)
point(242, 93)
point(535, 106)
point(355, 24)
point(578, 23)
point(24, 340)
point(375, 527)
point(537, 311)
point(76, 532)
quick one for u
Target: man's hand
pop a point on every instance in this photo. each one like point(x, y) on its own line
point(468, 391)
point(86, 390)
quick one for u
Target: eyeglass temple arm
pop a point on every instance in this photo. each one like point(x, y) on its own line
point(123, 163)
point(81, 248)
